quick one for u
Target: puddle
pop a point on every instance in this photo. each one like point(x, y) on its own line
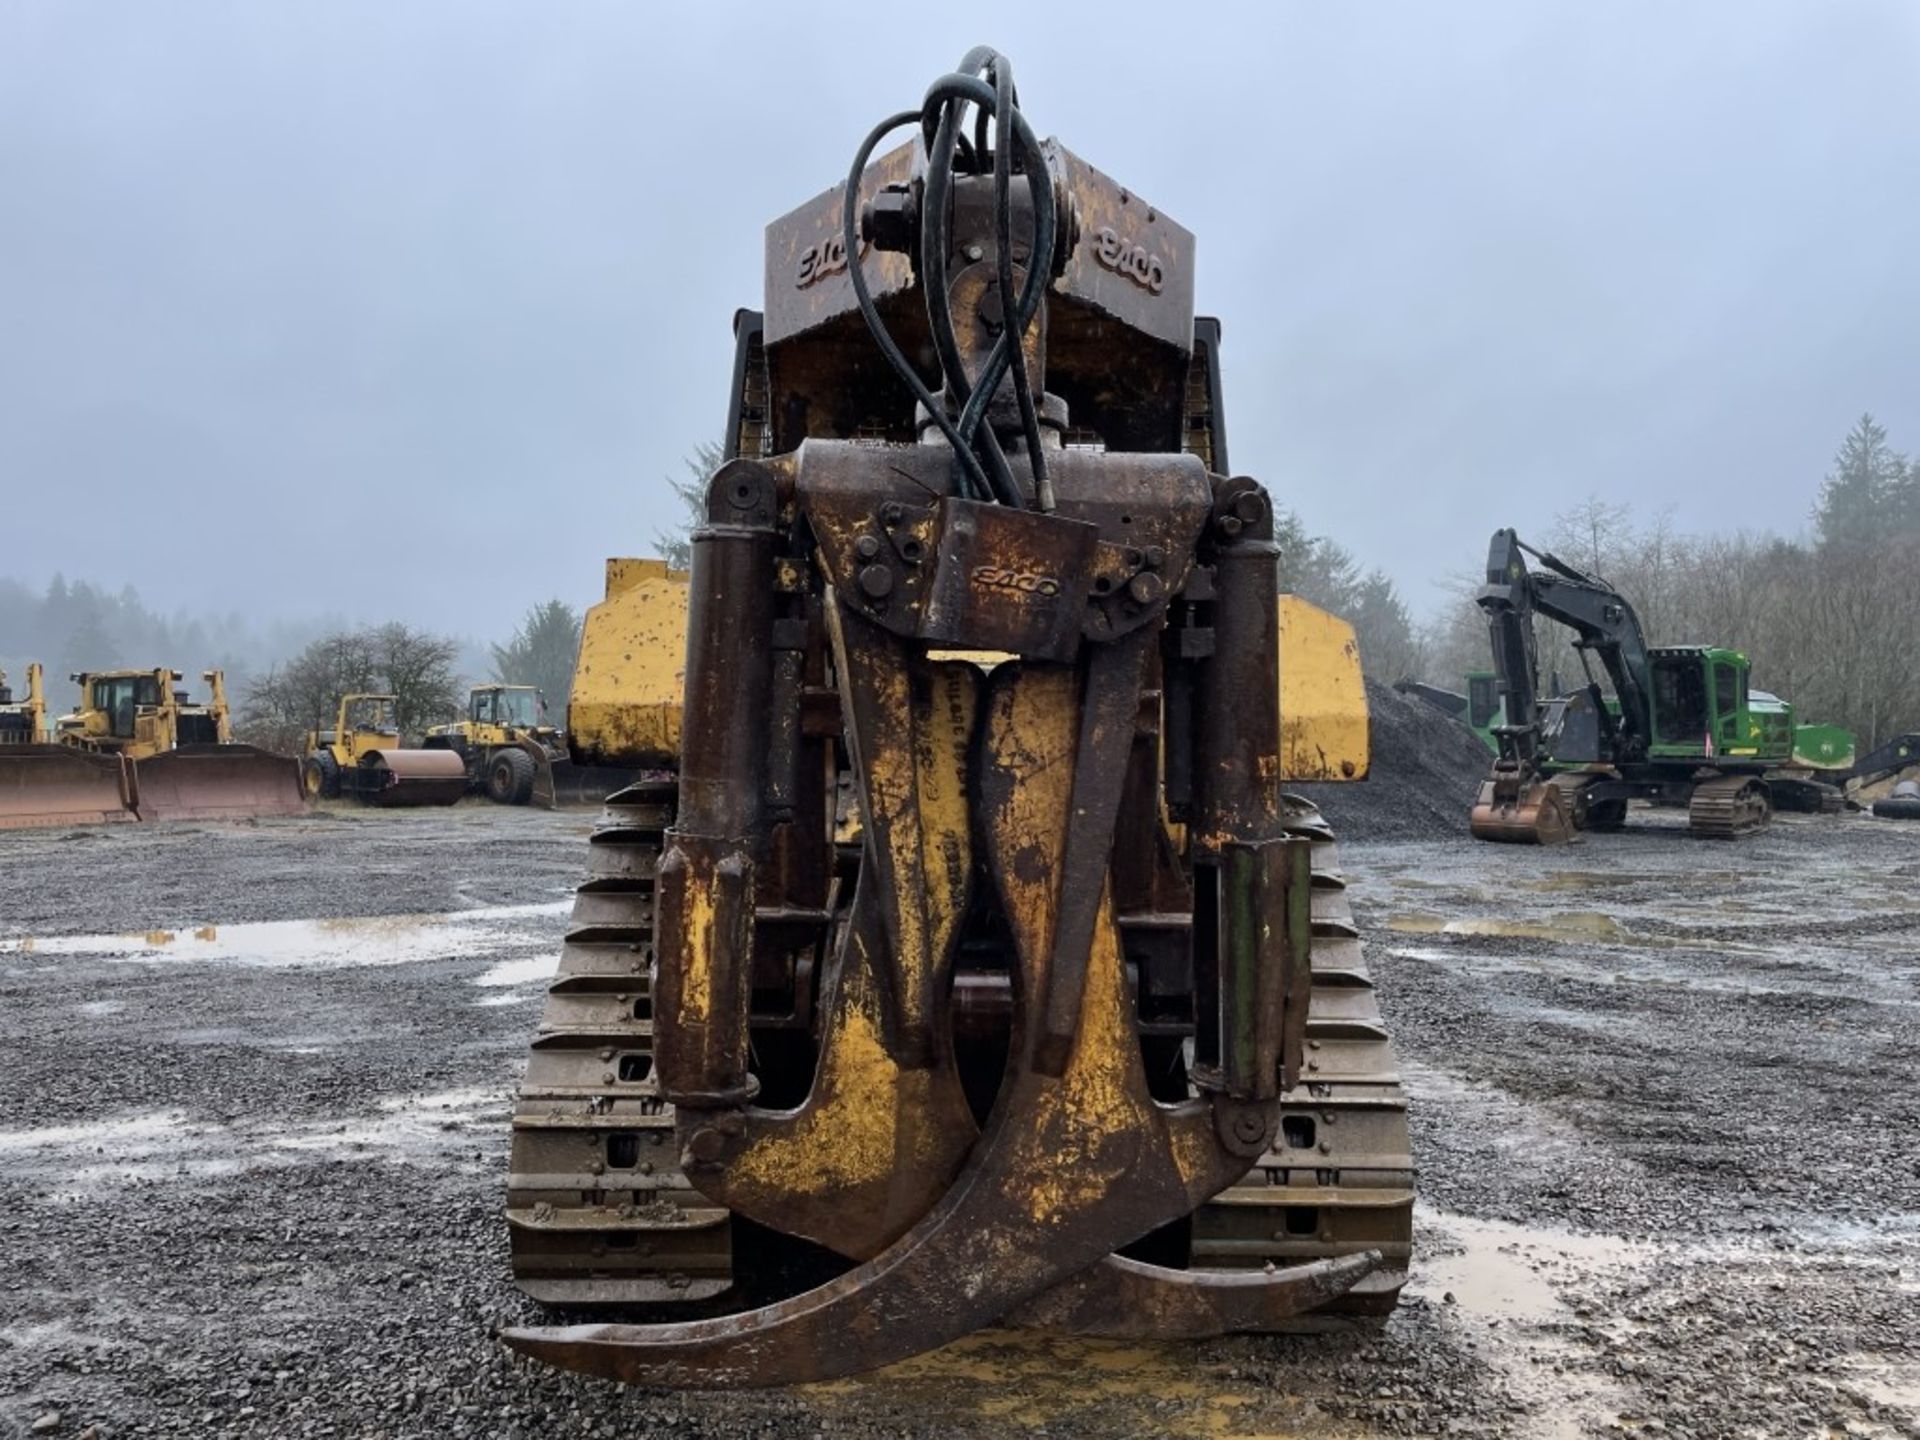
point(1508, 1280)
point(337, 943)
point(1885, 1381)
point(519, 972)
point(1025, 1381)
point(1504, 1271)
point(120, 1132)
point(1573, 925)
point(96, 1159)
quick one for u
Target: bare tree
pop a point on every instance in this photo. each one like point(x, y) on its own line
point(414, 666)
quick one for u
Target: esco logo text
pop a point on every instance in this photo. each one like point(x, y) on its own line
point(1124, 257)
point(995, 578)
point(829, 257)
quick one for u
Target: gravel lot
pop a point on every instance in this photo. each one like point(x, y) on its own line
point(254, 1087)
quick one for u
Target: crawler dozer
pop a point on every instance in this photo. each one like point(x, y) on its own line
point(514, 756)
point(138, 749)
point(362, 758)
point(1060, 1018)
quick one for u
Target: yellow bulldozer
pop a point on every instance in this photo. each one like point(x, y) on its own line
point(514, 755)
point(963, 960)
point(136, 748)
point(23, 721)
point(362, 758)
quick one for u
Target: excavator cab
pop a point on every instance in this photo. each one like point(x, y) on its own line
point(1704, 708)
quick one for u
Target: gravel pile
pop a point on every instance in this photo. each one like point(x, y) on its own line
point(1426, 770)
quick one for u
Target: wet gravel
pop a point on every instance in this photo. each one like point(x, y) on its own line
point(1663, 1110)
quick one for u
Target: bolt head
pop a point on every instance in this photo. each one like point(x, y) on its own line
point(877, 582)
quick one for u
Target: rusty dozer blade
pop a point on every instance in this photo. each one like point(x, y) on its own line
point(415, 777)
point(42, 785)
point(1517, 813)
point(1077, 1158)
point(558, 783)
point(217, 782)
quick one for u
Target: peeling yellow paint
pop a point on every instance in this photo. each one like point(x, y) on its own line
point(630, 679)
point(1323, 697)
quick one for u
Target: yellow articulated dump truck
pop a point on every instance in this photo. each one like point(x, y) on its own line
point(515, 756)
point(136, 748)
point(362, 758)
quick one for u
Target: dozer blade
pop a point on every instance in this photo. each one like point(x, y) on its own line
point(59, 785)
point(415, 777)
point(1536, 814)
point(558, 783)
point(217, 782)
point(1076, 1159)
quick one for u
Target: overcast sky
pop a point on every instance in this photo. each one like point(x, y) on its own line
point(410, 309)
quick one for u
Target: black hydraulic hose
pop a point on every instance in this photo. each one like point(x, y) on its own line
point(1003, 235)
point(850, 234)
point(983, 467)
point(1041, 189)
point(935, 236)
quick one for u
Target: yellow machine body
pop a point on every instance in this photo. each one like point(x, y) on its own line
point(362, 757)
point(136, 748)
point(629, 680)
point(628, 685)
point(138, 713)
point(515, 757)
point(24, 721)
point(1323, 698)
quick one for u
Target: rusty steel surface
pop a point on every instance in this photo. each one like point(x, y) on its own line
point(218, 782)
point(1517, 812)
point(561, 784)
point(1049, 748)
point(44, 785)
point(984, 973)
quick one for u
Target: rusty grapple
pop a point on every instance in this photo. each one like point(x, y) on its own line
point(974, 968)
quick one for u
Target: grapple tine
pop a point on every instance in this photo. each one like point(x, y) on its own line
point(1069, 1168)
point(1125, 1299)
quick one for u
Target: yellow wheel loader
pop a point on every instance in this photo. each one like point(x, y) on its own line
point(1072, 1029)
point(139, 749)
point(362, 758)
point(515, 756)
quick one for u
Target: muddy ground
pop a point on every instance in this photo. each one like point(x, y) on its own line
point(254, 1088)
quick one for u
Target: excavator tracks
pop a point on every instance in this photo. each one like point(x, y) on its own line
point(1729, 807)
point(601, 1214)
